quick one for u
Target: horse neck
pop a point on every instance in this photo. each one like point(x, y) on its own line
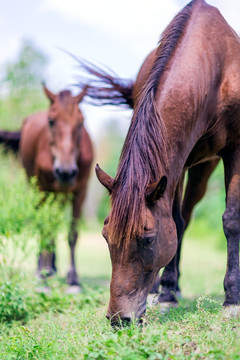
point(185, 122)
point(187, 100)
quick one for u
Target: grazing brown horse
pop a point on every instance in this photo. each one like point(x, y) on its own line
point(186, 113)
point(106, 88)
point(55, 147)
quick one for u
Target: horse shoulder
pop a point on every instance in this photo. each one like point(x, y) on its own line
point(32, 128)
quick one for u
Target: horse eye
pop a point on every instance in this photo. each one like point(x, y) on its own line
point(106, 221)
point(51, 123)
point(146, 241)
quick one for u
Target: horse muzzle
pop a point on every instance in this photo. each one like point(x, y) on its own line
point(65, 175)
point(122, 318)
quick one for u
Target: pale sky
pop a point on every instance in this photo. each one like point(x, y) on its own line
point(118, 34)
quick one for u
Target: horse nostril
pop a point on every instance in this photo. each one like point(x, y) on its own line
point(65, 175)
point(58, 171)
point(74, 172)
point(126, 320)
point(116, 322)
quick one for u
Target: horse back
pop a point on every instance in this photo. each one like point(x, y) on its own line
point(195, 79)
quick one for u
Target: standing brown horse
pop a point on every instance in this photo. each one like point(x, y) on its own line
point(55, 147)
point(187, 112)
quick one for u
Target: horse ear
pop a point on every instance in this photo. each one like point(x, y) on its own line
point(104, 178)
point(80, 97)
point(49, 94)
point(156, 190)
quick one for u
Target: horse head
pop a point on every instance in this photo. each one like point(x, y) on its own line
point(65, 123)
point(137, 255)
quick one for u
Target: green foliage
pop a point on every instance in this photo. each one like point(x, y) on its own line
point(56, 326)
point(29, 219)
point(20, 303)
point(56, 301)
point(12, 302)
point(183, 333)
point(29, 210)
point(26, 73)
point(48, 215)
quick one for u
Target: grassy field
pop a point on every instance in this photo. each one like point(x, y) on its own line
point(63, 327)
point(57, 326)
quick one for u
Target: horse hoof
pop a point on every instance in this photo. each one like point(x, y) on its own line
point(166, 306)
point(45, 273)
point(43, 290)
point(231, 311)
point(73, 289)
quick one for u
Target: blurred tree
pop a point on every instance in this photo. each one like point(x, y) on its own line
point(21, 92)
point(26, 73)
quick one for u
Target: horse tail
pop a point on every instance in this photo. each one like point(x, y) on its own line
point(10, 140)
point(106, 88)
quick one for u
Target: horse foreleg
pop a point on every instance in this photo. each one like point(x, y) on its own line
point(196, 187)
point(72, 277)
point(46, 262)
point(169, 277)
point(231, 226)
point(47, 255)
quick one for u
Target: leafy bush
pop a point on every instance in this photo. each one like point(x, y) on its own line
point(28, 218)
point(24, 208)
point(12, 302)
point(18, 302)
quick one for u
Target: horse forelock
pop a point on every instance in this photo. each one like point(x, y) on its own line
point(144, 155)
point(66, 103)
point(65, 95)
point(66, 99)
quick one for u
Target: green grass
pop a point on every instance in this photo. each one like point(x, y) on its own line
point(57, 326)
point(62, 327)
